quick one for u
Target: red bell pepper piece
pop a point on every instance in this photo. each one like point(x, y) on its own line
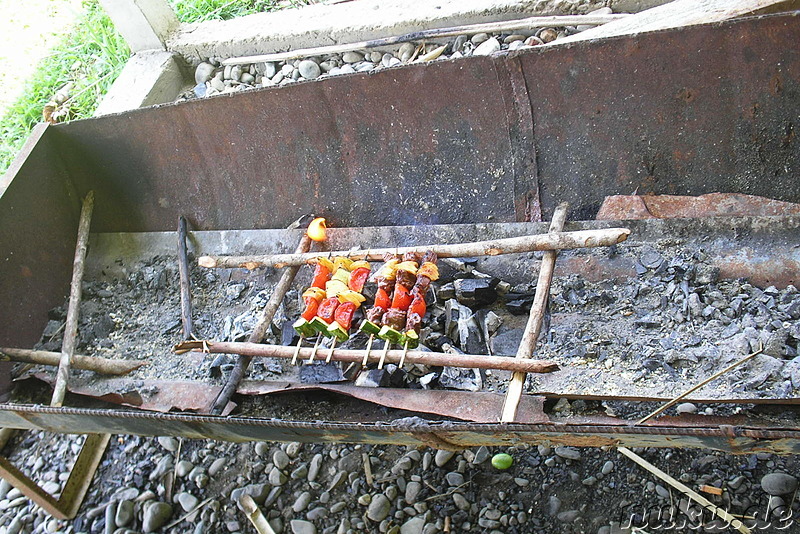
point(312, 305)
point(418, 307)
point(358, 278)
point(321, 275)
point(382, 299)
point(327, 309)
point(401, 298)
point(344, 314)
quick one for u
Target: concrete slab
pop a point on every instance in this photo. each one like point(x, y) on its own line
point(320, 24)
point(150, 77)
point(144, 24)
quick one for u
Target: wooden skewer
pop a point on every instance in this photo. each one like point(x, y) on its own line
point(314, 350)
point(297, 350)
point(551, 241)
point(435, 33)
point(435, 359)
point(534, 325)
point(330, 352)
point(73, 309)
point(403, 357)
point(366, 351)
point(384, 354)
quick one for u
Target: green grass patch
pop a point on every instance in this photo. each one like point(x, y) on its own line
point(200, 10)
point(89, 57)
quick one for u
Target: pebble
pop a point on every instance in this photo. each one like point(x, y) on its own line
point(317, 513)
point(183, 468)
point(293, 449)
point(454, 479)
point(442, 457)
point(686, 407)
point(300, 526)
point(406, 51)
point(216, 466)
point(168, 442)
point(479, 38)
point(203, 72)
point(487, 48)
point(379, 508)
point(778, 483)
point(415, 525)
point(124, 514)
point(412, 492)
point(352, 57)
point(607, 467)
point(481, 455)
point(460, 501)
point(314, 467)
point(302, 502)
point(569, 516)
point(276, 478)
point(280, 459)
point(569, 453)
point(155, 516)
point(262, 448)
point(662, 491)
point(187, 501)
point(309, 69)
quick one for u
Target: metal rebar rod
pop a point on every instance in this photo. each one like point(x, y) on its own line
point(260, 330)
point(551, 241)
point(437, 359)
point(186, 281)
point(534, 325)
point(73, 310)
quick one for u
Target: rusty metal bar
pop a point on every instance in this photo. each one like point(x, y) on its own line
point(186, 281)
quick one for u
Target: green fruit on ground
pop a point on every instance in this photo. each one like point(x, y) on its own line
point(502, 461)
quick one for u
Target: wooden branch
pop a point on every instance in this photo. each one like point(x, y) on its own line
point(435, 33)
point(436, 359)
point(675, 14)
point(260, 330)
point(253, 513)
point(73, 310)
point(705, 503)
point(511, 245)
point(106, 366)
point(534, 325)
point(691, 390)
point(186, 281)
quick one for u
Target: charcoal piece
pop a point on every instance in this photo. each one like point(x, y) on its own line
point(394, 377)
point(651, 259)
point(476, 291)
point(371, 378)
point(648, 321)
point(429, 380)
point(436, 342)
point(288, 334)
point(52, 328)
point(506, 341)
point(446, 291)
point(171, 326)
point(320, 373)
point(462, 379)
point(519, 306)
point(215, 370)
point(453, 312)
point(470, 337)
point(103, 326)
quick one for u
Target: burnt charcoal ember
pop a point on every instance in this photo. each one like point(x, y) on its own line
point(430, 380)
point(519, 306)
point(371, 378)
point(321, 373)
point(506, 341)
point(216, 367)
point(462, 379)
point(453, 311)
point(651, 259)
point(446, 291)
point(436, 341)
point(288, 334)
point(648, 321)
point(470, 337)
point(476, 291)
point(394, 377)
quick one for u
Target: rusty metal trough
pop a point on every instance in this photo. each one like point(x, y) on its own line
point(491, 143)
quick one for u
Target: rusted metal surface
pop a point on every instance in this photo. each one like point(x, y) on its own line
point(478, 407)
point(401, 432)
point(674, 206)
point(690, 111)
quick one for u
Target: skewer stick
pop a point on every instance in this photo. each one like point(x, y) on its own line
point(314, 351)
point(260, 330)
point(691, 390)
point(604, 237)
point(73, 310)
point(383, 354)
point(330, 352)
point(534, 325)
point(366, 351)
point(297, 350)
point(108, 366)
point(403, 357)
point(433, 359)
point(186, 281)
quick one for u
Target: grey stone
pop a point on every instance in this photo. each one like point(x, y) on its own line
point(379, 508)
point(415, 525)
point(187, 501)
point(662, 491)
point(317, 513)
point(302, 502)
point(350, 462)
point(686, 407)
point(300, 472)
point(236, 72)
point(280, 459)
point(569, 453)
point(406, 51)
point(459, 43)
point(248, 78)
point(487, 48)
point(479, 38)
point(276, 477)
point(216, 466)
point(553, 505)
point(736, 483)
point(442, 457)
point(569, 516)
point(589, 481)
point(183, 468)
point(203, 72)
point(293, 449)
point(111, 512)
point(607, 467)
point(413, 489)
point(124, 514)
point(346, 69)
point(168, 442)
point(778, 483)
point(309, 70)
point(262, 448)
point(460, 501)
point(454, 478)
point(314, 467)
point(352, 57)
point(155, 516)
point(163, 465)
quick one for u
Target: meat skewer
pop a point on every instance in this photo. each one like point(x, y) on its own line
point(385, 279)
point(394, 320)
point(312, 298)
point(427, 273)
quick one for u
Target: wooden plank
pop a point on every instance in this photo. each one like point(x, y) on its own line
point(674, 15)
